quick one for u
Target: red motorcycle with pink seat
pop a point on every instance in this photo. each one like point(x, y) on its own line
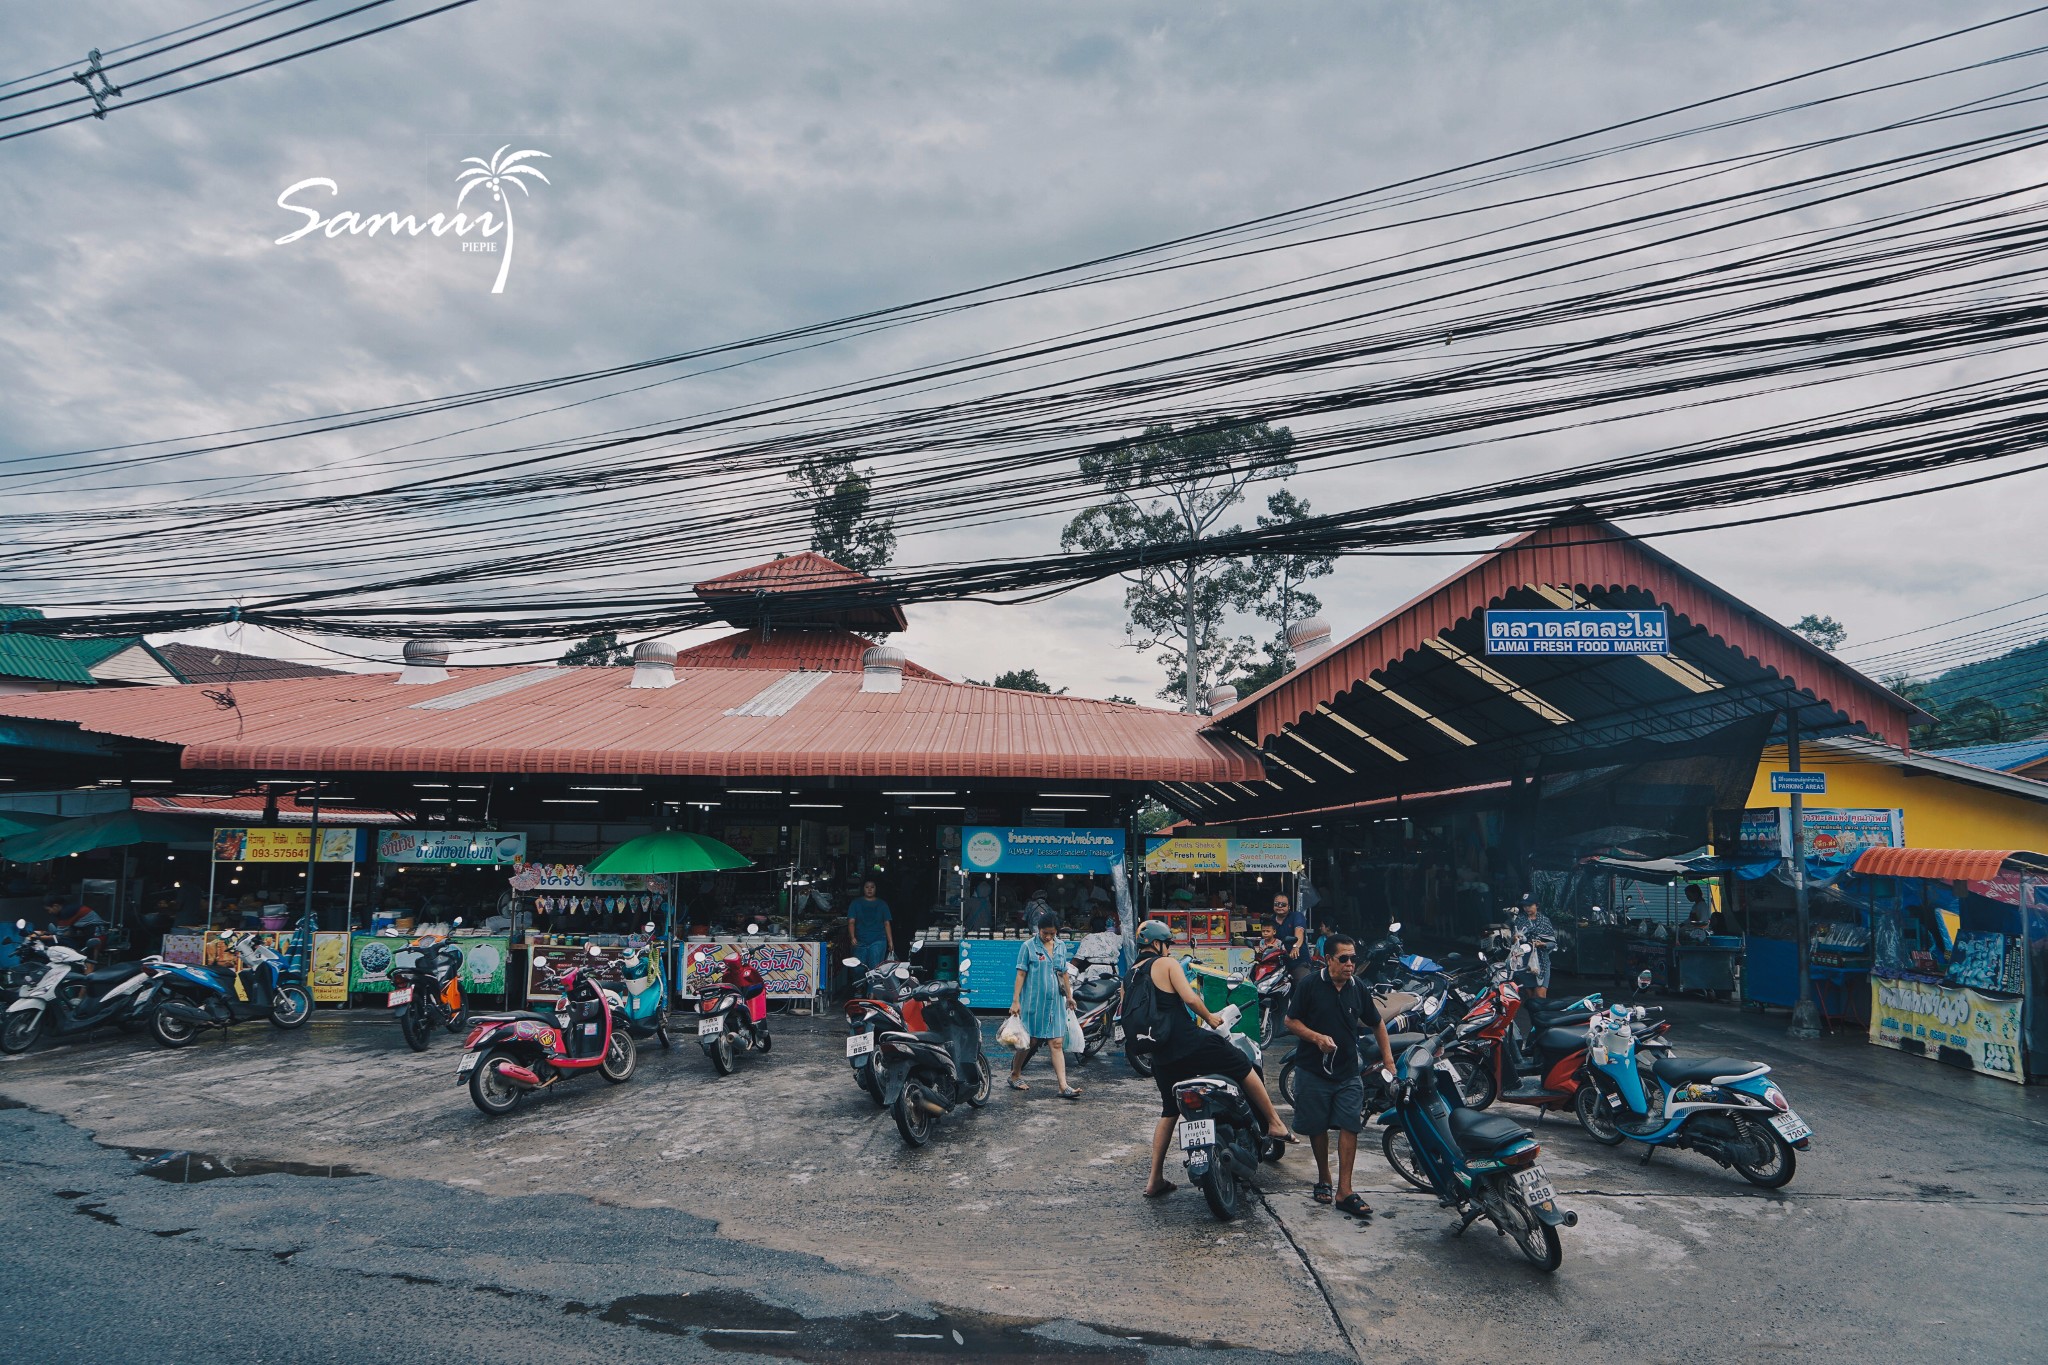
point(516, 1053)
point(732, 1015)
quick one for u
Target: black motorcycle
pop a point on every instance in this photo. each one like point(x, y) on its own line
point(1098, 1000)
point(1222, 1139)
point(931, 1072)
point(426, 989)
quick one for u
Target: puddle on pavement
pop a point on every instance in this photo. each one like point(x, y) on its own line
point(740, 1322)
point(193, 1168)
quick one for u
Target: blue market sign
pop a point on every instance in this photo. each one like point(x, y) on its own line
point(1806, 784)
point(1578, 632)
point(1030, 848)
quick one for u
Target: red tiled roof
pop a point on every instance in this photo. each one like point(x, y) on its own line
point(588, 721)
point(249, 808)
point(749, 594)
point(201, 664)
point(830, 651)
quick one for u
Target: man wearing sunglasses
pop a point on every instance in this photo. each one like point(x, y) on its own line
point(1326, 1012)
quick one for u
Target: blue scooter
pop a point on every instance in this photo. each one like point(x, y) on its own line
point(266, 985)
point(1483, 1165)
point(1724, 1107)
point(645, 997)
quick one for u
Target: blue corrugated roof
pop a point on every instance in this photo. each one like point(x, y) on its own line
point(1999, 757)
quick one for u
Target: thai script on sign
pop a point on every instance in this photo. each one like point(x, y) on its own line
point(1578, 632)
point(1950, 1007)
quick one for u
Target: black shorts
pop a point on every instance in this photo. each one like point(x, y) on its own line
point(1199, 1052)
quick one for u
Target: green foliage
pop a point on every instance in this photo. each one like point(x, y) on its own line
point(1276, 664)
point(1824, 632)
point(1020, 680)
point(1153, 817)
point(842, 527)
point(1118, 696)
point(1169, 488)
point(601, 650)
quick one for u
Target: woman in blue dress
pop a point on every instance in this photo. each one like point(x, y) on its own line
point(1040, 1002)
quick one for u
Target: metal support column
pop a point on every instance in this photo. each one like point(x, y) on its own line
point(1805, 1012)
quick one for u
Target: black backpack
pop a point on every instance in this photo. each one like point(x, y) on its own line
point(1147, 1028)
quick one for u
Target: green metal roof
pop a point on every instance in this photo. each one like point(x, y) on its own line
point(44, 658)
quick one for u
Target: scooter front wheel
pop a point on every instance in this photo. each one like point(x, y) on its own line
point(291, 1007)
point(1476, 1082)
point(1592, 1108)
point(170, 1030)
point(1400, 1154)
point(986, 1085)
point(620, 1057)
point(21, 1031)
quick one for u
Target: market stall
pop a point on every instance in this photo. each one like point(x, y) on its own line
point(1764, 905)
point(1958, 939)
point(985, 961)
point(257, 876)
point(1211, 891)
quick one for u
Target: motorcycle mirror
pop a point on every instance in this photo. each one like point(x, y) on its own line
point(540, 962)
point(458, 921)
point(850, 962)
point(21, 924)
point(1394, 928)
point(753, 928)
point(593, 950)
point(917, 945)
point(647, 928)
point(1643, 979)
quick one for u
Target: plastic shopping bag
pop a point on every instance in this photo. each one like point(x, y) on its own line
point(1077, 1042)
point(1012, 1034)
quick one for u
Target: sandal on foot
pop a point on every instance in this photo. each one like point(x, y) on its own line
point(1354, 1206)
point(1166, 1187)
point(1322, 1194)
point(1070, 1093)
point(1016, 1084)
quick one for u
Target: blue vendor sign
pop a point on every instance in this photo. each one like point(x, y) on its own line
point(1578, 632)
point(1030, 848)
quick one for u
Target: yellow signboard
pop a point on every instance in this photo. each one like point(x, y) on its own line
point(1952, 1023)
point(288, 845)
point(1189, 855)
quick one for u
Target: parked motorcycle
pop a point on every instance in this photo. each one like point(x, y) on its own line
point(512, 1055)
point(886, 1006)
point(63, 994)
point(933, 1071)
point(265, 985)
point(1723, 1107)
point(1271, 976)
point(1222, 1138)
point(1496, 1054)
point(1482, 1165)
point(646, 994)
point(732, 1015)
point(426, 989)
point(1098, 1000)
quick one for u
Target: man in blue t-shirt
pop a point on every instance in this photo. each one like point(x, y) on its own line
point(874, 939)
point(1292, 926)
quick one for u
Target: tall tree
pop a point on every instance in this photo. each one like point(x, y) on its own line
point(1283, 594)
point(1168, 488)
point(1823, 631)
point(840, 498)
point(601, 650)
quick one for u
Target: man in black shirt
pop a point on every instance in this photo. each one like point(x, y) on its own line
point(1327, 1011)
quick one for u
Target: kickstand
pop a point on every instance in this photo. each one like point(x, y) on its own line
point(1648, 1152)
point(1471, 1215)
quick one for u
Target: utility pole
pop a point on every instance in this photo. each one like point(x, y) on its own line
point(1805, 1013)
point(313, 854)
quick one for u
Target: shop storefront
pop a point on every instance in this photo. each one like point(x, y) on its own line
point(1960, 957)
point(1212, 891)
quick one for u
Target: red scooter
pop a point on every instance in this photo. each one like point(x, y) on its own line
point(733, 1014)
point(1544, 1069)
point(511, 1055)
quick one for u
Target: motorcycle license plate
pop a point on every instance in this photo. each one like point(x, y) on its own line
point(860, 1044)
point(715, 1024)
point(1534, 1187)
point(1790, 1126)
point(468, 1063)
point(1197, 1133)
point(403, 997)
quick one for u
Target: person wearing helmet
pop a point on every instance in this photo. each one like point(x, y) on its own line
point(1187, 1052)
point(1043, 995)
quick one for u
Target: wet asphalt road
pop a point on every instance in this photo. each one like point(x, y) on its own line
point(776, 1213)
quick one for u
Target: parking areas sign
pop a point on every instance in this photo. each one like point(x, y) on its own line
point(1805, 784)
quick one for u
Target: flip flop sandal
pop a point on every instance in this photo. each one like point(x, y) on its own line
point(1016, 1084)
point(1166, 1187)
point(1354, 1206)
point(1070, 1093)
point(1322, 1194)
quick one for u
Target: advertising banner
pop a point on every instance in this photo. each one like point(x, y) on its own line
point(576, 877)
point(328, 975)
point(465, 848)
point(265, 845)
point(484, 960)
point(1933, 1020)
point(1222, 855)
point(986, 848)
point(1829, 833)
point(1577, 632)
point(792, 970)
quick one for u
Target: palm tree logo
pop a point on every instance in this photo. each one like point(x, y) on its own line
point(497, 173)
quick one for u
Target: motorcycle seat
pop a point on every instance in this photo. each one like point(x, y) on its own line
point(506, 1016)
point(114, 975)
point(1095, 992)
point(1561, 1040)
point(1679, 1070)
point(928, 1036)
point(1369, 1047)
point(1481, 1133)
point(1561, 1019)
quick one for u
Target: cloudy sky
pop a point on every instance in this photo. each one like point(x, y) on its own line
point(721, 171)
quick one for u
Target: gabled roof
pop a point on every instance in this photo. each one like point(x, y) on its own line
point(45, 658)
point(804, 589)
point(2003, 758)
point(205, 664)
point(828, 651)
point(714, 722)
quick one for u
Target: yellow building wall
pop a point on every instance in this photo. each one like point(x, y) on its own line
point(1940, 813)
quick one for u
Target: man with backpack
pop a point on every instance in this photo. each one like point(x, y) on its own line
point(1327, 1011)
point(1160, 1009)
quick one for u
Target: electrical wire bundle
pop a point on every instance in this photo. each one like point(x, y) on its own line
point(1865, 257)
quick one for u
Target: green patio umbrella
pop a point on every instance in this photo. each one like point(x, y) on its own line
point(669, 851)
